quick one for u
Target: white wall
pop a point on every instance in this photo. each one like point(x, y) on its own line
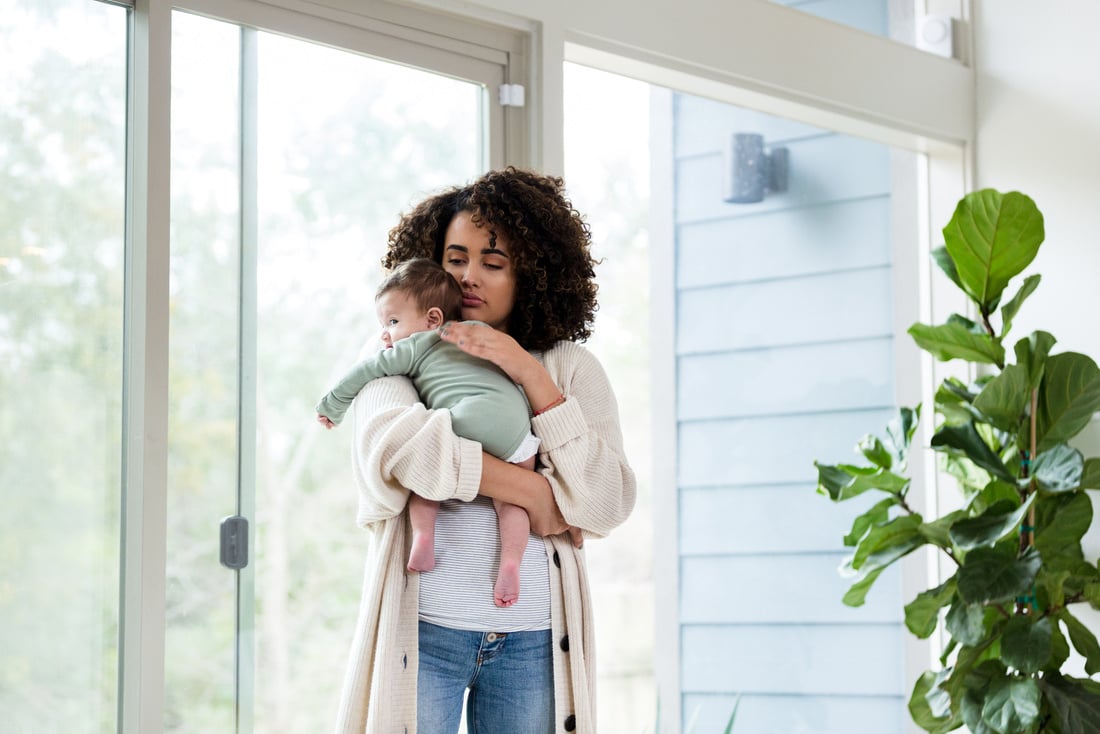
point(1038, 131)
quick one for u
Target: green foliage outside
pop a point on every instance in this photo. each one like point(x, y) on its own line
point(1015, 542)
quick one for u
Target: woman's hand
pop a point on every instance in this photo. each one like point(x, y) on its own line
point(495, 346)
point(505, 352)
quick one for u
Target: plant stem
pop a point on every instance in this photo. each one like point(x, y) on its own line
point(1027, 539)
point(1075, 599)
point(985, 322)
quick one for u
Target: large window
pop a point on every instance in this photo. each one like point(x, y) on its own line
point(773, 322)
point(62, 222)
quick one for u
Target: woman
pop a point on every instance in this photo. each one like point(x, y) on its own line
point(521, 254)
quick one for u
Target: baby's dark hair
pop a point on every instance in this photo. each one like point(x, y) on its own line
point(428, 283)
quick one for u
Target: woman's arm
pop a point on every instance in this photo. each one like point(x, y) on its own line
point(400, 446)
point(582, 444)
point(530, 490)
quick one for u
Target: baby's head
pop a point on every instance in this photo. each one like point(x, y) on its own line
point(418, 295)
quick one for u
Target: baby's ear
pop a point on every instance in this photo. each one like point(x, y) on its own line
point(435, 317)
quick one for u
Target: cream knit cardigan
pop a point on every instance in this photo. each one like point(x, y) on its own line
point(399, 443)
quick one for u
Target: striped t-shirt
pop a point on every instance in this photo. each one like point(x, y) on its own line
point(458, 592)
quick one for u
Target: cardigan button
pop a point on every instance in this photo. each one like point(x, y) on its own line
point(565, 644)
point(557, 559)
point(570, 722)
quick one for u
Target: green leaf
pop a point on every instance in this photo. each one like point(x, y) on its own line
point(877, 515)
point(1091, 592)
point(1084, 641)
point(989, 577)
point(856, 594)
point(1090, 476)
point(888, 542)
point(955, 402)
point(926, 705)
point(938, 532)
point(991, 238)
point(955, 340)
point(1062, 520)
point(922, 613)
point(1059, 649)
point(994, 492)
point(881, 546)
point(1068, 397)
point(876, 453)
point(966, 622)
point(844, 481)
point(972, 478)
point(1052, 583)
point(1031, 354)
point(1026, 644)
point(966, 439)
point(986, 529)
point(1005, 398)
point(1076, 704)
point(1012, 704)
point(733, 715)
point(900, 431)
point(1010, 309)
point(943, 258)
point(976, 684)
point(1058, 469)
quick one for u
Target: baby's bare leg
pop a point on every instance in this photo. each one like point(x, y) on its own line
point(515, 526)
point(422, 514)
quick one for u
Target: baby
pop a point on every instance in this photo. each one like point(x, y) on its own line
point(485, 405)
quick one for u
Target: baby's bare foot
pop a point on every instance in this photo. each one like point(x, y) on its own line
point(422, 555)
point(506, 590)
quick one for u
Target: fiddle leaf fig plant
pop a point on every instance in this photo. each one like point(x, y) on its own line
point(1014, 544)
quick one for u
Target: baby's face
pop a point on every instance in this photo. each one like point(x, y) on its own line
point(400, 316)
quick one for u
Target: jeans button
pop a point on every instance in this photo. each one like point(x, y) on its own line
point(491, 637)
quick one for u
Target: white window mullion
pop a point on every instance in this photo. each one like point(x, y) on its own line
point(145, 420)
point(248, 367)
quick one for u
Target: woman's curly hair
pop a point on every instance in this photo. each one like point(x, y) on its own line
point(549, 246)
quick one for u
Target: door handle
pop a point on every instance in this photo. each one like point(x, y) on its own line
point(234, 542)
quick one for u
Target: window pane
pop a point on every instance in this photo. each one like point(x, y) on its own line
point(872, 16)
point(62, 225)
point(345, 144)
point(926, 25)
point(784, 343)
point(607, 163)
point(202, 427)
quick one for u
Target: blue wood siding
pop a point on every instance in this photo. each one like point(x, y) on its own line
point(784, 344)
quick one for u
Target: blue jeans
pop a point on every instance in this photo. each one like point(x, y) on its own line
point(510, 677)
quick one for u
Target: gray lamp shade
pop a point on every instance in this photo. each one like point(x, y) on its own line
point(750, 171)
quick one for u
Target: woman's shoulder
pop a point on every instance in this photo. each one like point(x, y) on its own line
point(568, 357)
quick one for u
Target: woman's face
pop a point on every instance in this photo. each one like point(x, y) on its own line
point(483, 269)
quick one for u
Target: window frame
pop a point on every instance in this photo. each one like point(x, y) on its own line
point(428, 40)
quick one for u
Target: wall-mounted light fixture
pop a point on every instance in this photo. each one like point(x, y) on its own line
point(750, 171)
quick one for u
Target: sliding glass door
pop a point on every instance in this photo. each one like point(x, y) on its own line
point(290, 162)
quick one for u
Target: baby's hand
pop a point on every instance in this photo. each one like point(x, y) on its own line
point(325, 422)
